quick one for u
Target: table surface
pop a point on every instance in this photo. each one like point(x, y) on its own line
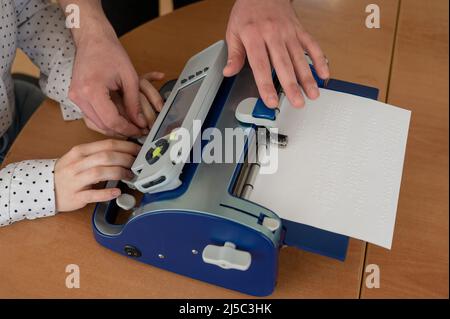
point(34, 254)
point(417, 265)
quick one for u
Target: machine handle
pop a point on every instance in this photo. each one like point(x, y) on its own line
point(227, 257)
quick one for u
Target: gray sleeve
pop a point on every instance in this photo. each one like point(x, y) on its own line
point(43, 36)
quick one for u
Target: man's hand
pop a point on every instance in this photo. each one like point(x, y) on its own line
point(269, 33)
point(150, 99)
point(101, 67)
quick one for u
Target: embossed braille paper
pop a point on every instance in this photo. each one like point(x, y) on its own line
point(342, 168)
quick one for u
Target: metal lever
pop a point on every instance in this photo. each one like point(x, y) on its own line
point(278, 139)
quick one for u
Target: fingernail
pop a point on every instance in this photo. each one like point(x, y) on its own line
point(115, 192)
point(141, 119)
point(129, 176)
point(273, 100)
point(299, 103)
point(229, 61)
point(314, 91)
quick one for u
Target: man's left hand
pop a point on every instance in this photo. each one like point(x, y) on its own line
point(268, 32)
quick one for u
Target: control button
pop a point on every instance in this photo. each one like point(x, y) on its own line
point(198, 73)
point(157, 152)
point(227, 257)
point(191, 76)
point(154, 153)
point(132, 251)
point(173, 136)
point(183, 81)
point(157, 181)
point(163, 143)
point(271, 223)
point(150, 158)
point(126, 201)
point(206, 69)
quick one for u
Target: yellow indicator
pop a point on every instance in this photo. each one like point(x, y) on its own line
point(157, 152)
point(173, 136)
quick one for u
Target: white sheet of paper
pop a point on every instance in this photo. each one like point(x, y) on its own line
point(342, 168)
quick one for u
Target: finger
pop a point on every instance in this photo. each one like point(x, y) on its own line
point(105, 158)
point(93, 127)
point(154, 76)
point(118, 101)
point(99, 174)
point(285, 71)
point(236, 56)
point(98, 195)
point(315, 52)
point(88, 110)
point(147, 108)
point(88, 149)
point(112, 118)
point(302, 70)
point(130, 84)
point(151, 94)
point(259, 62)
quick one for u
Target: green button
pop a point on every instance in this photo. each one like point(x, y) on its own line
point(157, 152)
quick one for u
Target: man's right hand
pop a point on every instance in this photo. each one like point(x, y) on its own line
point(102, 67)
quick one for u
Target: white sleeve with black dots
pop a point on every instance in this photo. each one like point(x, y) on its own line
point(43, 36)
point(27, 191)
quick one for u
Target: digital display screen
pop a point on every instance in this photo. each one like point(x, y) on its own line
point(179, 108)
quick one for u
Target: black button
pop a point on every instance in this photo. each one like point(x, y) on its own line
point(191, 76)
point(132, 251)
point(199, 72)
point(157, 181)
point(206, 69)
point(183, 81)
point(163, 144)
point(149, 156)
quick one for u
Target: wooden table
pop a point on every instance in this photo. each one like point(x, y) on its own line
point(34, 254)
point(417, 266)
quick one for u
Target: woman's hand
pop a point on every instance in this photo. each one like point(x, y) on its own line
point(88, 164)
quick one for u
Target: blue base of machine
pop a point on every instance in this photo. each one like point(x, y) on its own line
point(178, 238)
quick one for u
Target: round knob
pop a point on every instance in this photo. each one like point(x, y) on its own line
point(126, 201)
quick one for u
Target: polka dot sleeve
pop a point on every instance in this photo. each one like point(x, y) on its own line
point(43, 36)
point(27, 191)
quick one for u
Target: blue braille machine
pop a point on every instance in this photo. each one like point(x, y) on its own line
point(193, 218)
